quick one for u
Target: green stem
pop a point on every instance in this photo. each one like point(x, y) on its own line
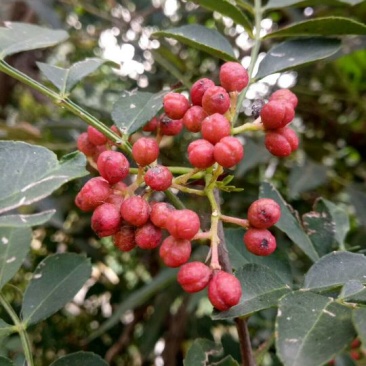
point(20, 327)
point(258, 13)
point(188, 190)
point(249, 126)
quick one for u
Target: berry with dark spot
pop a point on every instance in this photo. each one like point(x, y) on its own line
point(259, 241)
point(113, 166)
point(215, 100)
point(198, 89)
point(264, 213)
point(158, 178)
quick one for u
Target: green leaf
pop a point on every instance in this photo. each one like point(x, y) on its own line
point(229, 10)
point(5, 362)
point(137, 298)
point(277, 4)
point(18, 37)
point(311, 329)
point(14, 247)
point(289, 222)
point(56, 280)
point(344, 360)
point(65, 79)
point(239, 256)
point(199, 352)
point(290, 54)
point(334, 270)
point(26, 220)
point(201, 38)
point(30, 173)
point(359, 321)
point(80, 359)
point(134, 109)
point(5, 330)
point(358, 200)
point(329, 26)
point(262, 288)
point(227, 361)
point(305, 177)
point(353, 291)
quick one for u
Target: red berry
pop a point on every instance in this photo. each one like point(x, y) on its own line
point(124, 239)
point(194, 276)
point(152, 125)
point(355, 343)
point(94, 192)
point(215, 127)
point(135, 210)
point(233, 76)
point(98, 150)
point(228, 151)
point(201, 153)
point(106, 220)
point(96, 137)
point(215, 100)
point(175, 252)
point(115, 199)
point(158, 178)
point(276, 114)
point(145, 150)
point(148, 236)
point(264, 213)
point(183, 224)
point(281, 142)
point(85, 145)
point(224, 290)
point(193, 118)
point(160, 212)
point(175, 105)
point(170, 127)
point(120, 188)
point(113, 166)
point(198, 89)
point(259, 241)
point(285, 95)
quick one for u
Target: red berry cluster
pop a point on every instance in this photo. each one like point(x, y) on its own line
point(128, 213)
point(280, 140)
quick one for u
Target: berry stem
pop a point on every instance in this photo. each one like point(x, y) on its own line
point(183, 179)
point(188, 190)
point(234, 220)
point(249, 126)
point(136, 184)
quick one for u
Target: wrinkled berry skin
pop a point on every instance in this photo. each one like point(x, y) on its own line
point(193, 118)
point(135, 210)
point(281, 142)
point(224, 290)
point(277, 114)
point(264, 213)
point(148, 236)
point(124, 239)
point(215, 127)
point(194, 276)
point(158, 178)
point(228, 151)
point(175, 105)
point(106, 220)
point(215, 100)
point(145, 151)
point(94, 192)
point(160, 213)
point(113, 166)
point(96, 137)
point(170, 127)
point(201, 153)
point(285, 95)
point(259, 241)
point(233, 76)
point(175, 252)
point(183, 224)
point(85, 145)
point(198, 89)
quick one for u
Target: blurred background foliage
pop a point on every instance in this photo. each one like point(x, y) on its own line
point(151, 320)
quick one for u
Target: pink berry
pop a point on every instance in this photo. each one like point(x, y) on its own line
point(175, 252)
point(284, 95)
point(160, 213)
point(124, 239)
point(175, 105)
point(96, 137)
point(224, 290)
point(215, 100)
point(194, 276)
point(183, 224)
point(233, 76)
point(158, 178)
point(201, 154)
point(215, 127)
point(152, 125)
point(145, 150)
point(259, 241)
point(277, 114)
point(106, 220)
point(85, 145)
point(198, 89)
point(135, 210)
point(170, 127)
point(281, 142)
point(228, 151)
point(113, 166)
point(148, 236)
point(193, 118)
point(115, 199)
point(264, 213)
